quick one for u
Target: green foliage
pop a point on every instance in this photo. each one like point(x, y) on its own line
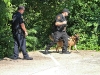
point(5, 31)
point(31, 39)
point(84, 19)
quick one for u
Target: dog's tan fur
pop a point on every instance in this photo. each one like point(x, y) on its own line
point(71, 42)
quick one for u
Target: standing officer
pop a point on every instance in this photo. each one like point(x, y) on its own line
point(60, 32)
point(19, 32)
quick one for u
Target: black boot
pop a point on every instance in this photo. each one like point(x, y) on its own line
point(15, 58)
point(46, 52)
point(28, 58)
point(66, 52)
point(48, 47)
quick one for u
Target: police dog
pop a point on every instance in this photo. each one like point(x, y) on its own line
point(71, 42)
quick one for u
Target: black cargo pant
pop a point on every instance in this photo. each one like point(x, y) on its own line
point(57, 36)
point(20, 43)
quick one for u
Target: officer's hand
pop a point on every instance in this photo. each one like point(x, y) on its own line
point(26, 33)
point(64, 22)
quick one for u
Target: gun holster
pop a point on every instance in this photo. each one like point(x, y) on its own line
point(19, 31)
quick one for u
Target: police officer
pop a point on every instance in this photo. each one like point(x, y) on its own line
point(60, 32)
point(19, 32)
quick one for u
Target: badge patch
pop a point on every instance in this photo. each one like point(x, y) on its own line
point(22, 18)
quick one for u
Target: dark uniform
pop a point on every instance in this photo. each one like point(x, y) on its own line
point(60, 32)
point(18, 35)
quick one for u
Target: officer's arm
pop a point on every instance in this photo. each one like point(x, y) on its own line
point(24, 28)
point(23, 25)
point(58, 21)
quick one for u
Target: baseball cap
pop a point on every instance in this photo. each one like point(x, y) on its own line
point(21, 7)
point(66, 10)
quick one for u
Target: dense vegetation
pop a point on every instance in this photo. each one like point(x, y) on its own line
point(84, 19)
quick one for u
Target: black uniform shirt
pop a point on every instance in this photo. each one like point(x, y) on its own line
point(17, 21)
point(60, 18)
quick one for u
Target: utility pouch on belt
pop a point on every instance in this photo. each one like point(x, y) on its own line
point(19, 31)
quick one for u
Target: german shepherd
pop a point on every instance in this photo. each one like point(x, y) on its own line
point(72, 41)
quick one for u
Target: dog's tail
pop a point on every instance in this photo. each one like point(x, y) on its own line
point(51, 38)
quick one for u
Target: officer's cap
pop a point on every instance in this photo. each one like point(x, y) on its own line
point(21, 7)
point(66, 10)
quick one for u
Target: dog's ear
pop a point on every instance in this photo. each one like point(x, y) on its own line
point(77, 35)
point(73, 37)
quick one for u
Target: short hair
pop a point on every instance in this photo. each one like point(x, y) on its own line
point(21, 8)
